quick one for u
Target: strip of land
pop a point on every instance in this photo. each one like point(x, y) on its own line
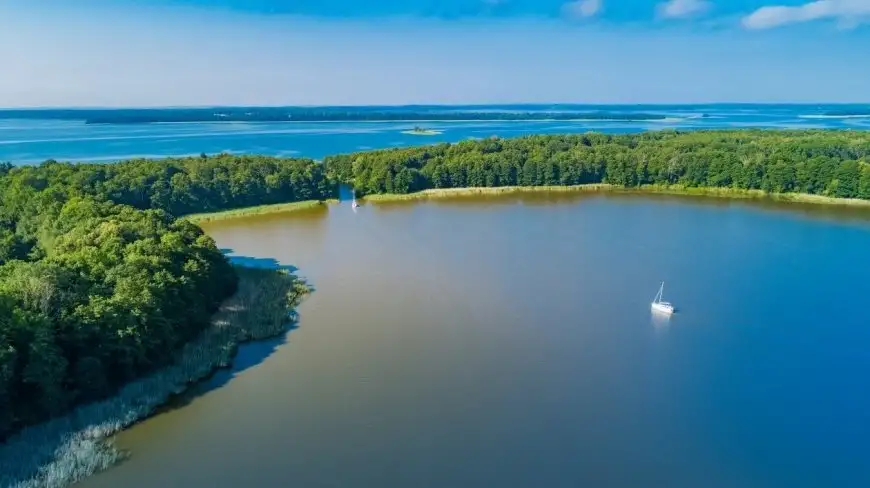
point(447, 193)
point(732, 193)
point(236, 213)
point(67, 449)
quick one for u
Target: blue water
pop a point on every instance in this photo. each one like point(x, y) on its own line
point(33, 141)
point(508, 343)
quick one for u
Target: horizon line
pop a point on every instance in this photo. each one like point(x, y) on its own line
point(411, 105)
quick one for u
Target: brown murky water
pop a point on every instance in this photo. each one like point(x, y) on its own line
point(508, 342)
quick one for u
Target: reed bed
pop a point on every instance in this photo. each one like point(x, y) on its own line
point(67, 449)
point(258, 210)
point(741, 194)
point(716, 192)
point(483, 191)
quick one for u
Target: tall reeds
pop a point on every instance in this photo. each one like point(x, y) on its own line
point(677, 190)
point(257, 210)
point(67, 449)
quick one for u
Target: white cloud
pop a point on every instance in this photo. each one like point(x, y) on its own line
point(582, 8)
point(846, 12)
point(677, 9)
point(305, 61)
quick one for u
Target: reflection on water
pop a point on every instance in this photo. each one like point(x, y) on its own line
point(660, 321)
point(829, 212)
point(507, 342)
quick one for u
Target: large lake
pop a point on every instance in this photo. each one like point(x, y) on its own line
point(33, 141)
point(508, 342)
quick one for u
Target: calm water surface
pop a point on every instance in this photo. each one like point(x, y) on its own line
point(33, 141)
point(508, 343)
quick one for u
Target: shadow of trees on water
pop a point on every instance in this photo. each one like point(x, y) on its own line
point(248, 354)
point(265, 263)
point(71, 446)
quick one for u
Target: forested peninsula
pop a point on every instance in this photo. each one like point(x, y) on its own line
point(109, 304)
point(102, 283)
point(99, 282)
point(828, 163)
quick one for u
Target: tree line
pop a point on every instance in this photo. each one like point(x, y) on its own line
point(819, 162)
point(178, 186)
point(101, 283)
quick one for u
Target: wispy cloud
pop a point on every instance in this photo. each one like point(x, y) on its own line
point(305, 59)
point(678, 9)
point(580, 9)
point(846, 12)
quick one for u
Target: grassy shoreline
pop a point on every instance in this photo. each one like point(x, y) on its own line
point(256, 210)
point(70, 448)
point(438, 193)
point(677, 190)
point(447, 193)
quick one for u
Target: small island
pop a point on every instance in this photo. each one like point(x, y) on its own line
point(419, 131)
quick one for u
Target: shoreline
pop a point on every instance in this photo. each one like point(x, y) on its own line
point(445, 193)
point(70, 448)
point(242, 212)
point(675, 190)
point(723, 193)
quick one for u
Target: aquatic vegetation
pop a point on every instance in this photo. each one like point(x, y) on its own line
point(730, 193)
point(438, 193)
point(258, 210)
point(69, 448)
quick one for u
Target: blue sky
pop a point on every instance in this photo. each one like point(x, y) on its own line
point(279, 52)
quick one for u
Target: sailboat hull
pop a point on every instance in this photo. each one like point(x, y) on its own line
point(662, 307)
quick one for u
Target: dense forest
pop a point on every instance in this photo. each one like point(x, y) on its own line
point(100, 282)
point(178, 186)
point(831, 163)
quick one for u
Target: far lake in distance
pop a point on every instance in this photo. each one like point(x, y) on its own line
point(508, 341)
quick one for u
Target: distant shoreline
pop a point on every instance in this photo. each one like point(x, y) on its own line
point(483, 117)
point(341, 114)
point(677, 190)
point(448, 193)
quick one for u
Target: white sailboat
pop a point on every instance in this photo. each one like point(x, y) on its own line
point(660, 306)
point(353, 203)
